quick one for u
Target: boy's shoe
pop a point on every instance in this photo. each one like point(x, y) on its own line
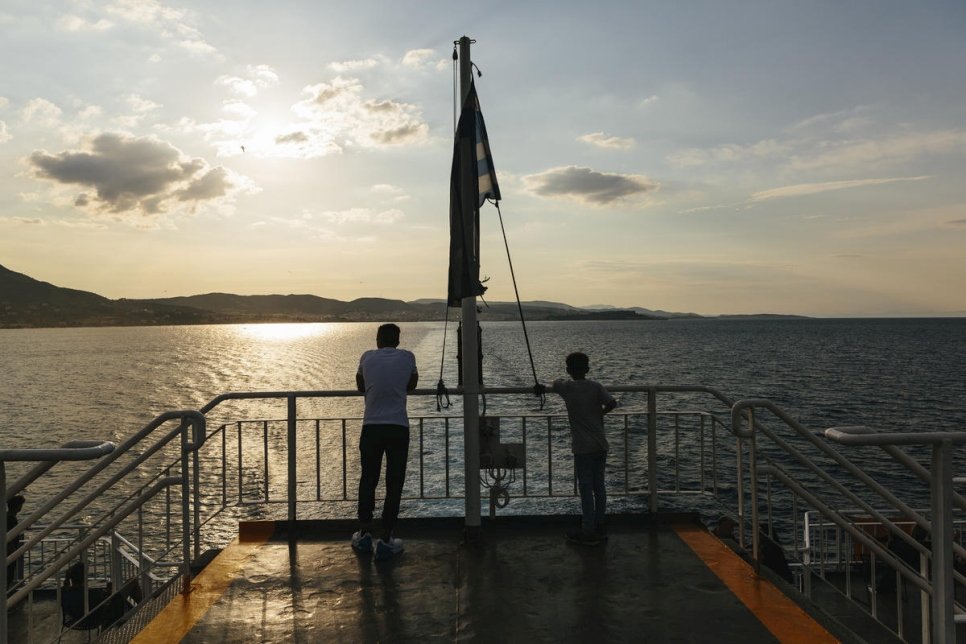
point(583, 538)
point(362, 542)
point(388, 549)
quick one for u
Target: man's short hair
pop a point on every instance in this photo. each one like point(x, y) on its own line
point(578, 362)
point(387, 336)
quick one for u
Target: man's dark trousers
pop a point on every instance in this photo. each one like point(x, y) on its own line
point(376, 440)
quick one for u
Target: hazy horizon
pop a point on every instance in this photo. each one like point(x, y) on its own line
point(737, 158)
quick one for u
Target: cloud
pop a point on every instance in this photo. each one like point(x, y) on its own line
point(4, 135)
point(169, 23)
point(802, 189)
point(339, 91)
point(73, 23)
point(123, 174)
point(356, 65)
point(41, 111)
point(841, 121)
point(887, 150)
point(256, 78)
point(589, 186)
point(418, 58)
point(601, 140)
point(363, 216)
point(957, 222)
point(26, 221)
point(691, 157)
point(338, 108)
point(650, 100)
point(292, 137)
point(404, 133)
point(331, 117)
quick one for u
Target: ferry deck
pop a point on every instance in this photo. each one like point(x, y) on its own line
point(521, 581)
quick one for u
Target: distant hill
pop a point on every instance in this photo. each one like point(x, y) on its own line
point(26, 302)
point(646, 312)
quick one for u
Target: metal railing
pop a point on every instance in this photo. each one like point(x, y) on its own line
point(114, 496)
point(202, 480)
point(818, 478)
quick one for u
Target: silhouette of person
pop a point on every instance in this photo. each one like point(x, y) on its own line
point(386, 375)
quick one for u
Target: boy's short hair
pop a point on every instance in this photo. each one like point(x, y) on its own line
point(578, 362)
point(387, 336)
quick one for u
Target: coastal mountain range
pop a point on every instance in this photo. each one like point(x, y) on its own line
point(26, 302)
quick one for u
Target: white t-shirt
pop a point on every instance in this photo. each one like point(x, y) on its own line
point(386, 373)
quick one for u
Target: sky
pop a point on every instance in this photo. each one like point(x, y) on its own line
point(703, 156)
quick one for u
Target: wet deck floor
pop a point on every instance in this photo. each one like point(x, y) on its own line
point(521, 582)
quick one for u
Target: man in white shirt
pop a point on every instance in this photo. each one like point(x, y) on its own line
point(386, 375)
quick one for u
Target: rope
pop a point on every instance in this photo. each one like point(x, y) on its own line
point(442, 393)
point(516, 292)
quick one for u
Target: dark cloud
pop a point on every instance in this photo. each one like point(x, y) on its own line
point(210, 185)
point(402, 134)
point(589, 186)
point(958, 222)
point(292, 137)
point(127, 173)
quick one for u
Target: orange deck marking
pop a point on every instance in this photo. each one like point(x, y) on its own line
point(784, 618)
point(177, 618)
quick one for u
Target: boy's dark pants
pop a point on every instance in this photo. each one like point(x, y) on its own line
point(376, 440)
point(593, 493)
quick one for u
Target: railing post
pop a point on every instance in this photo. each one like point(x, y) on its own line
point(739, 465)
point(753, 473)
point(185, 510)
point(652, 447)
point(943, 624)
point(3, 531)
point(196, 494)
point(292, 470)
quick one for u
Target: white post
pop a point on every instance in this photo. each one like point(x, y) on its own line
point(943, 624)
point(471, 349)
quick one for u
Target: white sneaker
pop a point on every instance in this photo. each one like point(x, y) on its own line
point(362, 542)
point(386, 550)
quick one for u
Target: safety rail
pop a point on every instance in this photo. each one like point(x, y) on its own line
point(328, 472)
point(113, 489)
point(292, 442)
point(204, 475)
point(818, 480)
point(125, 488)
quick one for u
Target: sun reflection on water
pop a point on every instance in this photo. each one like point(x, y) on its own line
point(284, 332)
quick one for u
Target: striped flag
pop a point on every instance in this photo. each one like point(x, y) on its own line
point(486, 173)
point(472, 175)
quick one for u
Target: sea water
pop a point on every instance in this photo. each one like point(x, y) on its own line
point(105, 383)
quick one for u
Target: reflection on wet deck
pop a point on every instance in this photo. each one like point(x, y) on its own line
point(521, 582)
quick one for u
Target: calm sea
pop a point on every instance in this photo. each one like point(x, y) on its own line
point(106, 383)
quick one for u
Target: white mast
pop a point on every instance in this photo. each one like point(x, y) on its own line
point(470, 346)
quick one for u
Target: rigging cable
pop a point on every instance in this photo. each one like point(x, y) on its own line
point(516, 292)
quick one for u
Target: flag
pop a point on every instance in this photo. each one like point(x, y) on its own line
point(472, 182)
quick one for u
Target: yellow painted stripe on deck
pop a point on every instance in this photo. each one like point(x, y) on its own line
point(781, 616)
point(177, 618)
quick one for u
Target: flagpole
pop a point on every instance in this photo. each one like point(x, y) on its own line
point(471, 348)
